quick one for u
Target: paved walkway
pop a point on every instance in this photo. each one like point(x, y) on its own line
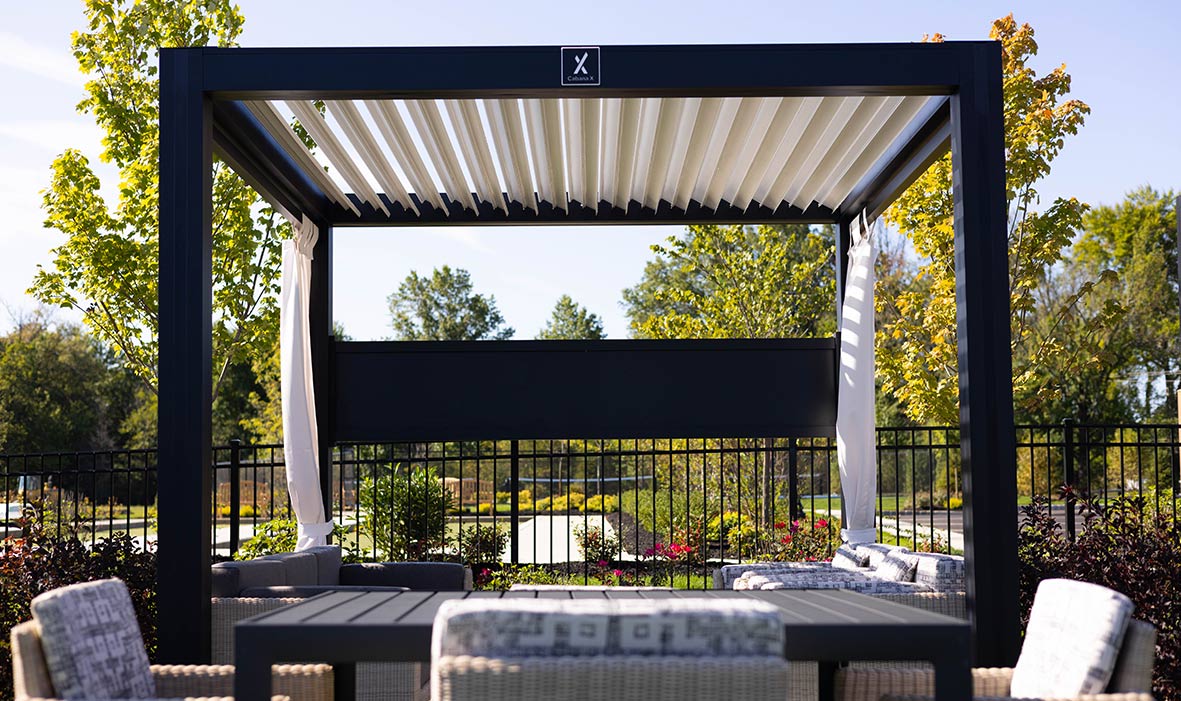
point(545, 539)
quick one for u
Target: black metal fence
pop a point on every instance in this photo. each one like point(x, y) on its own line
point(646, 501)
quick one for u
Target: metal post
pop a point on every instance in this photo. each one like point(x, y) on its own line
point(793, 479)
point(987, 448)
point(320, 328)
point(235, 492)
point(768, 483)
point(514, 501)
point(1069, 476)
point(185, 359)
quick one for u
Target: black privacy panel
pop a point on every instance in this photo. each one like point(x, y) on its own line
point(426, 391)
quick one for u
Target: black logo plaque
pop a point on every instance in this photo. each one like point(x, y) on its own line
point(580, 65)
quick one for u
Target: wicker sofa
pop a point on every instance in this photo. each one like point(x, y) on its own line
point(938, 584)
point(251, 587)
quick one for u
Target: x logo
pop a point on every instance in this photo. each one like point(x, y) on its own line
point(580, 67)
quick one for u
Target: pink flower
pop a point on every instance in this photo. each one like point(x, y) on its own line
point(603, 563)
point(617, 573)
point(785, 539)
point(822, 524)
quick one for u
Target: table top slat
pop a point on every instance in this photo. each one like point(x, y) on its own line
point(298, 613)
point(402, 612)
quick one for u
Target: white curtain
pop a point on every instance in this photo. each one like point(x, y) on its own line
point(856, 452)
point(300, 436)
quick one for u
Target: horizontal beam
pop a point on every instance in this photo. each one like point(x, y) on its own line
point(483, 390)
point(929, 142)
point(535, 71)
point(575, 213)
point(243, 143)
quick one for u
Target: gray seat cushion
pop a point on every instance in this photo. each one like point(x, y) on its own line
point(428, 576)
point(92, 642)
point(303, 568)
point(229, 578)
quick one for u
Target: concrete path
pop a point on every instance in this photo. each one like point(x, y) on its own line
point(546, 539)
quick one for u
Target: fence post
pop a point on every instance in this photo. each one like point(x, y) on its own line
point(1069, 476)
point(514, 500)
point(235, 492)
point(793, 480)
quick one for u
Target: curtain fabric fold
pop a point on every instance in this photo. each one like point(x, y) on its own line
point(300, 435)
point(856, 435)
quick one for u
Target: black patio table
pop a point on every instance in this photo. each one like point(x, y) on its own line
point(829, 626)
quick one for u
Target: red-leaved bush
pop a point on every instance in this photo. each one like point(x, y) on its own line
point(1127, 545)
point(39, 561)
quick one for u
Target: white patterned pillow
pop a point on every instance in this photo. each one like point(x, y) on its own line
point(847, 558)
point(896, 567)
point(93, 647)
point(1073, 638)
point(940, 572)
point(876, 552)
point(556, 628)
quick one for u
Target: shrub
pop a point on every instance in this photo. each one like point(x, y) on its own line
point(505, 577)
point(597, 546)
point(405, 512)
point(1127, 546)
point(280, 536)
point(573, 502)
point(42, 560)
point(600, 503)
point(803, 542)
point(245, 510)
point(484, 508)
point(481, 544)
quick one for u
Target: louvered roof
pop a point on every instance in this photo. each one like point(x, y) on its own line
point(484, 158)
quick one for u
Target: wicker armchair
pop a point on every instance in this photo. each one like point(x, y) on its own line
point(1133, 654)
point(31, 680)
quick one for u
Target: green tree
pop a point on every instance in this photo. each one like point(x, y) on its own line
point(107, 268)
point(570, 320)
point(1137, 241)
point(737, 282)
point(919, 366)
point(444, 307)
point(60, 390)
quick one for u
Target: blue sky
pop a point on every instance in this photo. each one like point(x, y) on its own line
point(1124, 64)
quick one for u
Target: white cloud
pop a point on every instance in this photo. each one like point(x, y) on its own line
point(21, 54)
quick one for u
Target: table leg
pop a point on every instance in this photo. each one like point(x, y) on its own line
point(827, 672)
point(344, 685)
point(953, 679)
point(252, 674)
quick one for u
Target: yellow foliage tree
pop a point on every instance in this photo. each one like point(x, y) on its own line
point(917, 359)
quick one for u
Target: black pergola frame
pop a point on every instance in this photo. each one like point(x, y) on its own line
point(201, 113)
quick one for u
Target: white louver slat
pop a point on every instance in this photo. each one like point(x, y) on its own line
point(359, 135)
point(504, 117)
point(334, 151)
point(748, 152)
point(397, 137)
point(429, 122)
point(273, 122)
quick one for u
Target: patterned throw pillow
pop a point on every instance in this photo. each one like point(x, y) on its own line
point(897, 567)
point(555, 628)
point(92, 642)
point(847, 558)
point(1073, 638)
